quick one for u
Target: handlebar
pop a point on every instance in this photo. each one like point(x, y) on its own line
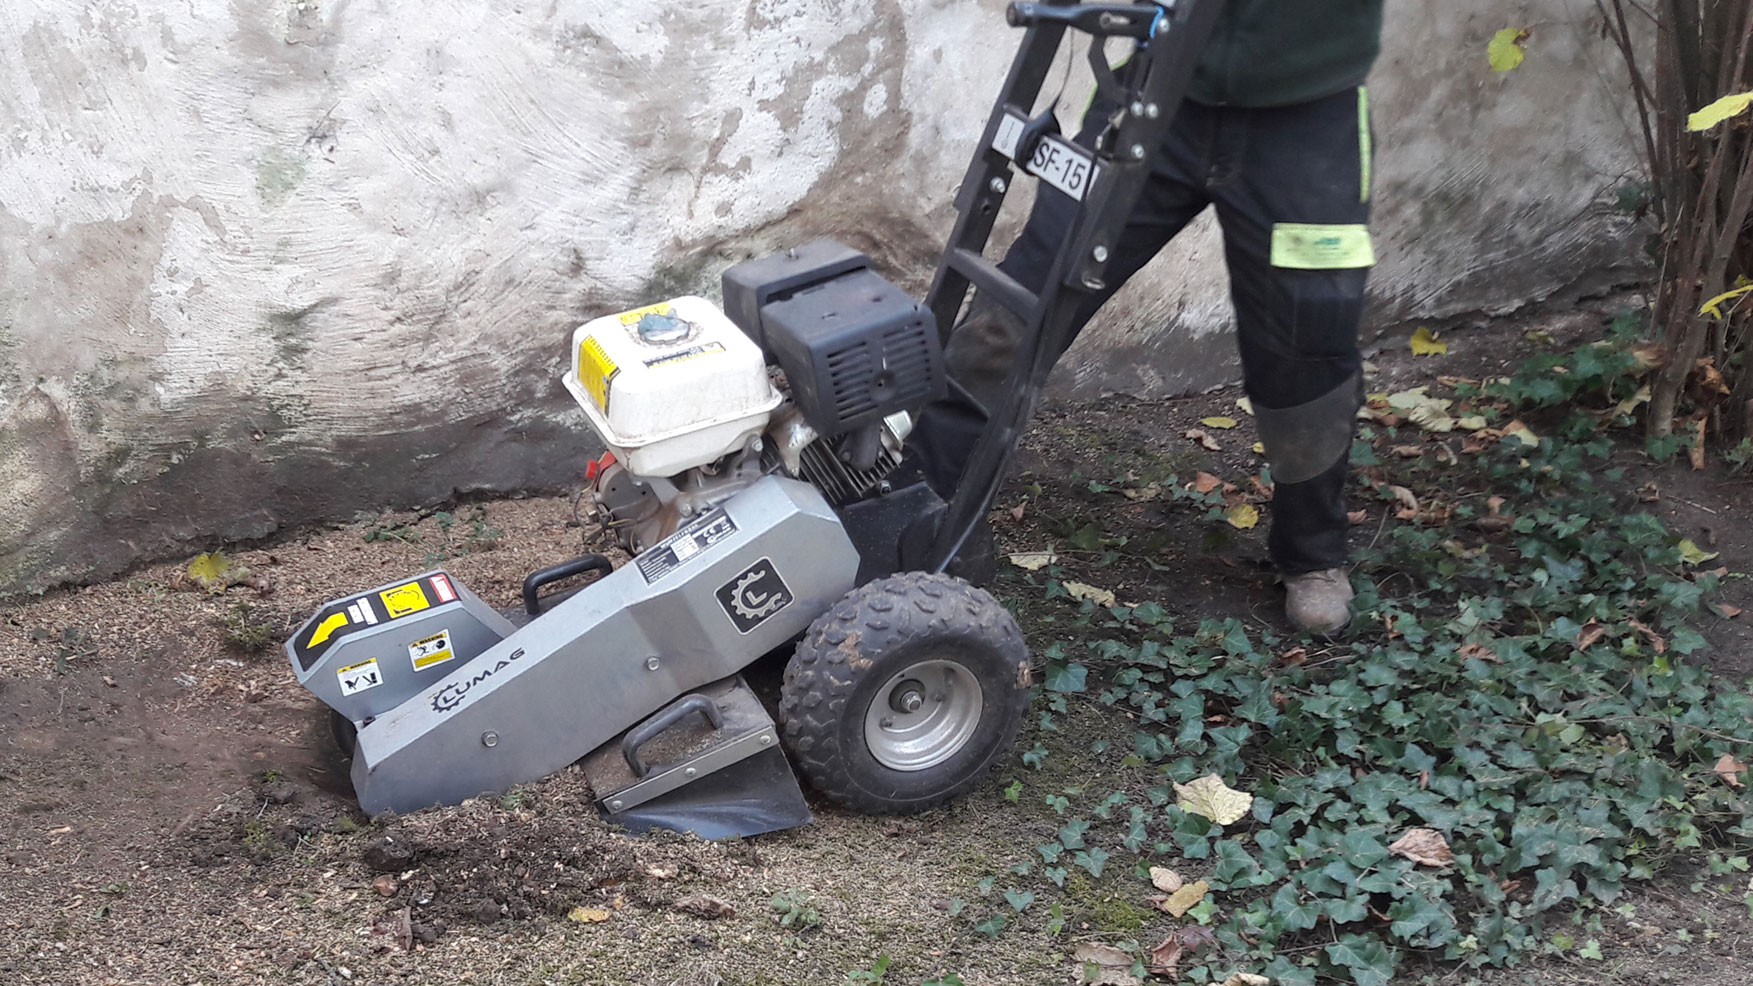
point(1138, 21)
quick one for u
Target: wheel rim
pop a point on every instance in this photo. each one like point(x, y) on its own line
point(923, 716)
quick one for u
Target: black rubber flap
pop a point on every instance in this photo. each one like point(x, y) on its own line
point(755, 795)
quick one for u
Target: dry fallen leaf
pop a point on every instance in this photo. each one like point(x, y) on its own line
point(702, 906)
point(1424, 343)
point(1168, 881)
point(1692, 554)
point(1710, 378)
point(1729, 769)
point(1246, 405)
point(1356, 517)
point(1081, 591)
point(1590, 634)
point(588, 915)
point(1631, 403)
point(1140, 495)
point(1649, 356)
point(1480, 652)
point(1427, 847)
point(1165, 959)
point(1186, 898)
point(1204, 439)
point(1405, 497)
point(1218, 421)
point(1016, 512)
point(1033, 561)
point(1242, 516)
point(1205, 482)
point(1725, 611)
point(1695, 454)
point(1407, 451)
point(1246, 979)
point(1522, 433)
point(1103, 965)
point(1259, 448)
point(1211, 797)
point(1657, 643)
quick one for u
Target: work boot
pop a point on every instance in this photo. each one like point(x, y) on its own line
point(1319, 602)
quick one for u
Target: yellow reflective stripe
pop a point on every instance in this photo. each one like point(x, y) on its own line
point(1311, 246)
point(1363, 140)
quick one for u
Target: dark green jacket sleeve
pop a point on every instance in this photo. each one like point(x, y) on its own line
point(1278, 52)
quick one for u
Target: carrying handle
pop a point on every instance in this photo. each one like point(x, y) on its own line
point(532, 602)
point(666, 717)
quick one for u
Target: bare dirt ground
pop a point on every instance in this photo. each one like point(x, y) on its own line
point(173, 815)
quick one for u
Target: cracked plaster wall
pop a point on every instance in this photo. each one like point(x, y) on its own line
point(269, 263)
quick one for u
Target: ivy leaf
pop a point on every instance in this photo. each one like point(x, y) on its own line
point(1369, 963)
point(1071, 833)
point(1505, 51)
point(1018, 901)
point(1093, 859)
point(992, 925)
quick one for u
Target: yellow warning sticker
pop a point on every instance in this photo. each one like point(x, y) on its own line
point(404, 599)
point(595, 371)
point(429, 651)
point(632, 317)
point(1313, 246)
point(355, 678)
point(327, 627)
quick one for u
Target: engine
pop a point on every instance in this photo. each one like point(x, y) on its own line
point(811, 372)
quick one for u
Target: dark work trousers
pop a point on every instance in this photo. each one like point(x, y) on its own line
point(1291, 186)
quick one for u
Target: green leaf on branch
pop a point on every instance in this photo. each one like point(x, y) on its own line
point(1723, 109)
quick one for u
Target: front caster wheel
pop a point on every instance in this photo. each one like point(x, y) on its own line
point(905, 693)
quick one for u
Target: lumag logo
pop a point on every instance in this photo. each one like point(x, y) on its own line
point(452, 695)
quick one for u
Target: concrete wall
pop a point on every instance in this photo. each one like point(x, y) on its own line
point(269, 262)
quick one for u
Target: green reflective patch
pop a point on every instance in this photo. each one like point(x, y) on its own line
point(1310, 246)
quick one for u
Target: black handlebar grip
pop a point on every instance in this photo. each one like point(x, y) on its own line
point(666, 717)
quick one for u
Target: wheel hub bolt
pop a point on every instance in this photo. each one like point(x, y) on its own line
point(907, 698)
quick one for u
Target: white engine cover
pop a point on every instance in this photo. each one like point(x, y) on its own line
point(671, 386)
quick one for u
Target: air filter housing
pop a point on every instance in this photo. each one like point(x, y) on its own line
point(854, 349)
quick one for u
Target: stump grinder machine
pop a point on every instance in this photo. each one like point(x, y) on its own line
point(758, 478)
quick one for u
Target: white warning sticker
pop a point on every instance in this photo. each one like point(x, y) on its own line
point(429, 651)
point(356, 678)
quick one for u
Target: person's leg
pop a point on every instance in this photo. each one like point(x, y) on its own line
point(983, 346)
point(1293, 199)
